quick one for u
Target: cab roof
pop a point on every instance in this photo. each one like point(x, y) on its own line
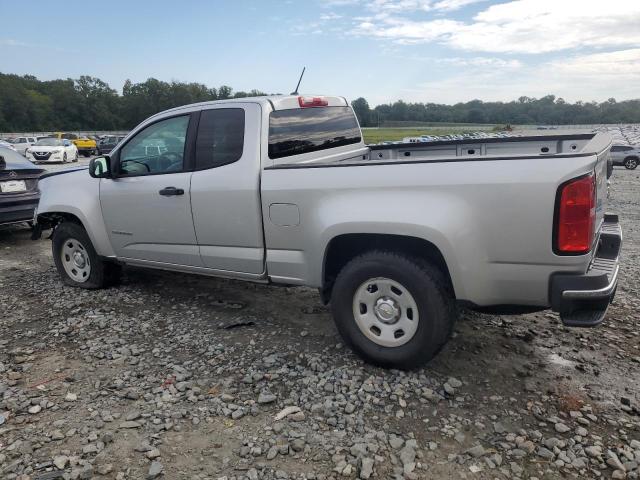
point(275, 102)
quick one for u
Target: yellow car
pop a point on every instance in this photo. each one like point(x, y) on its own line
point(86, 146)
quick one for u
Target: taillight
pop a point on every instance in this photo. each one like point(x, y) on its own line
point(576, 215)
point(305, 102)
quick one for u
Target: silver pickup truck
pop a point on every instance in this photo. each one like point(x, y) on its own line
point(283, 189)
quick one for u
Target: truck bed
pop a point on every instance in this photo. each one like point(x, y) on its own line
point(490, 212)
point(487, 149)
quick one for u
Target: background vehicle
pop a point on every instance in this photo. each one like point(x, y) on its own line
point(52, 150)
point(283, 189)
point(8, 145)
point(625, 155)
point(85, 145)
point(22, 143)
point(108, 143)
point(18, 187)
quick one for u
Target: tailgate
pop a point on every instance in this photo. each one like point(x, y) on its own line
point(602, 189)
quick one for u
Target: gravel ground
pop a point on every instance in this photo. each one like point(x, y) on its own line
point(196, 378)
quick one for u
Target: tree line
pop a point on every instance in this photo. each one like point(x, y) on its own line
point(524, 111)
point(88, 103)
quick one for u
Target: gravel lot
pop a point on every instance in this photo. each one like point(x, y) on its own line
point(197, 378)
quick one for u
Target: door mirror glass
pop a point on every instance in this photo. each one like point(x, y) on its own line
point(100, 167)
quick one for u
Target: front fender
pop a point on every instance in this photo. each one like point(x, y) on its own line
point(76, 193)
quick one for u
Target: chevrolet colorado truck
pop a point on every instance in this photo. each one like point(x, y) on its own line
point(283, 190)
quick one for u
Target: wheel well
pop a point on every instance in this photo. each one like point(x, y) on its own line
point(631, 157)
point(53, 219)
point(343, 248)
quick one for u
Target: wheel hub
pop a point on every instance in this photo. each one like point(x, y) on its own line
point(75, 260)
point(79, 260)
point(387, 310)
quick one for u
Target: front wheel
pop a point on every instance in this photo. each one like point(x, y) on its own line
point(631, 163)
point(76, 260)
point(75, 159)
point(393, 310)
point(64, 158)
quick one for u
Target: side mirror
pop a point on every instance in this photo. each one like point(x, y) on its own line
point(100, 167)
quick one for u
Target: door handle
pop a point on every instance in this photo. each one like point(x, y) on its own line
point(170, 191)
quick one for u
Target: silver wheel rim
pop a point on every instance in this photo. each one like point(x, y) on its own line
point(75, 260)
point(385, 312)
point(631, 163)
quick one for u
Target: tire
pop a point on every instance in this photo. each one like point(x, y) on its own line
point(86, 153)
point(75, 159)
point(630, 163)
point(64, 158)
point(74, 238)
point(428, 327)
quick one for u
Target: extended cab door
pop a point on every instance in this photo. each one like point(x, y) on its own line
point(225, 189)
point(147, 207)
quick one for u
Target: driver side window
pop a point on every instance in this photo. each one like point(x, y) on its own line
point(159, 148)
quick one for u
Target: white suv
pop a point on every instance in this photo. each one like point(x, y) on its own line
point(625, 155)
point(22, 143)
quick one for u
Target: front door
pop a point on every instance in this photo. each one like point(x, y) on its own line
point(147, 207)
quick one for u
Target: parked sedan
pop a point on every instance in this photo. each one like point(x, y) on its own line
point(53, 150)
point(18, 187)
point(22, 143)
point(626, 155)
point(108, 143)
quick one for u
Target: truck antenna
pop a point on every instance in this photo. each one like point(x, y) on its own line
point(295, 92)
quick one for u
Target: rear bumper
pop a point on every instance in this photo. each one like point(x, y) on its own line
point(582, 300)
point(16, 210)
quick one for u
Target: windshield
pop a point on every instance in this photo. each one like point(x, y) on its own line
point(49, 142)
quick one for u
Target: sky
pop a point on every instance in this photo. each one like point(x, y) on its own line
point(442, 51)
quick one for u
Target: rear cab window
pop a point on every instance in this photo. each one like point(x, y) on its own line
point(220, 138)
point(304, 130)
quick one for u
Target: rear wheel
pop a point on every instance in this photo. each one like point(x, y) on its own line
point(86, 153)
point(630, 163)
point(77, 261)
point(394, 311)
